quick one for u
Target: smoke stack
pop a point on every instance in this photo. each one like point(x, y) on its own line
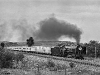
point(52, 29)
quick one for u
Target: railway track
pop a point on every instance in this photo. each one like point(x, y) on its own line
point(77, 61)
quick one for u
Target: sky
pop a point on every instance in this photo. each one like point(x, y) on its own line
point(83, 13)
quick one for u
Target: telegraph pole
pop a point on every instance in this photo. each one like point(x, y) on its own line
point(95, 52)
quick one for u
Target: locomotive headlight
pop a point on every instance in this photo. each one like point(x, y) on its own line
point(80, 48)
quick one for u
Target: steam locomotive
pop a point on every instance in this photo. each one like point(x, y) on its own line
point(77, 52)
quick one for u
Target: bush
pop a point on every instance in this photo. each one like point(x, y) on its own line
point(26, 64)
point(7, 57)
point(6, 60)
point(50, 63)
point(72, 65)
point(19, 57)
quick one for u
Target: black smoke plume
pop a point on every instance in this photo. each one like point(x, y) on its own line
point(52, 29)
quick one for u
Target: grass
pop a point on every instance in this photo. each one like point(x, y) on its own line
point(50, 67)
point(34, 65)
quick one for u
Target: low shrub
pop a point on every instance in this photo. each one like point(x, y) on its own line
point(50, 63)
point(72, 65)
point(7, 58)
point(19, 57)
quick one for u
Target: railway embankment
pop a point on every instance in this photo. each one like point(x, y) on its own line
point(92, 65)
point(79, 64)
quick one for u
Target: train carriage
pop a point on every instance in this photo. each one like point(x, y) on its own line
point(47, 50)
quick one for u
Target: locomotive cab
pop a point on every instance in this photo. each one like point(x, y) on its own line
point(59, 51)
